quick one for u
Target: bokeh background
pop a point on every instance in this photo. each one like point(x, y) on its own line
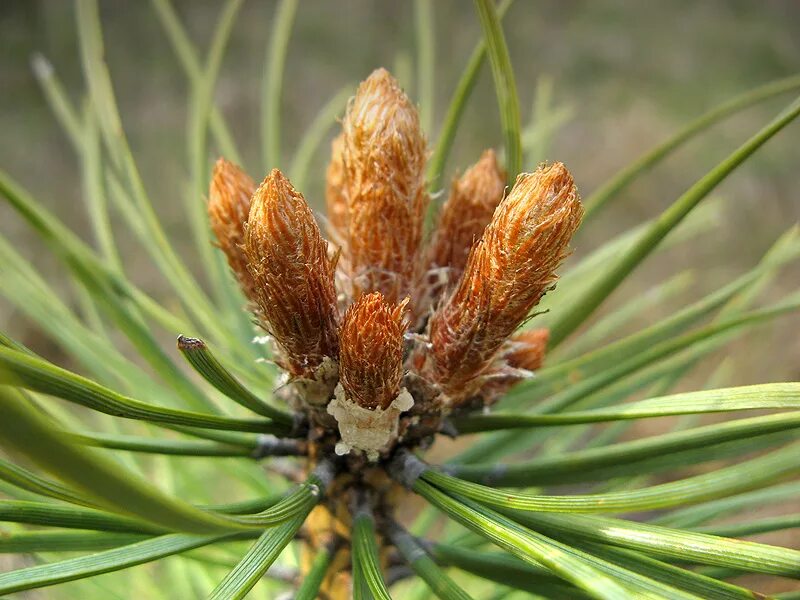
point(622, 76)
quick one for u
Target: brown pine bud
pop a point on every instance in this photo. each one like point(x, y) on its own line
point(384, 160)
point(526, 349)
point(288, 260)
point(371, 351)
point(335, 198)
point(228, 207)
point(369, 400)
point(508, 271)
point(467, 212)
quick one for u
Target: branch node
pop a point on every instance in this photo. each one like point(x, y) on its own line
point(270, 445)
point(325, 472)
point(406, 468)
point(448, 428)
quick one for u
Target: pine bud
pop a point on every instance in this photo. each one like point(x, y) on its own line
point(335, 198)
point(228, 207)
point(384, 162)
point(526, 349)
point(519, 357)
point(371, 351)
point(508, 271)
point(294, 277)
point(467, 212)
point(368, 400)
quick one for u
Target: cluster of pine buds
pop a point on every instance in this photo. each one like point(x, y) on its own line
point(381, 332)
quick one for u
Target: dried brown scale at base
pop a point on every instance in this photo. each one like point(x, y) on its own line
point(377, 380)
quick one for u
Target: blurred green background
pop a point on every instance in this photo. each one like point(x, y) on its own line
point(625, 75)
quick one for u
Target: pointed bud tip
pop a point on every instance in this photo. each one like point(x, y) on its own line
point(543, 201)
point(550, 188)
point(276, 180)
point(381, 107)
point(483, 183)
point(488, 161)
point(186, 343)
point(381, 80)
point(276, 192)
point(222, 164)
point(229, 201)
point(230, 186)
